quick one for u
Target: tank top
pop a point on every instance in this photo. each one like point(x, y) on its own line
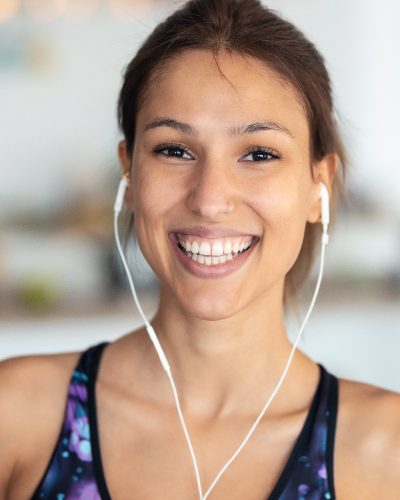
point(75, 470)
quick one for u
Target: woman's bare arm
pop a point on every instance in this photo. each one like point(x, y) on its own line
point(10, 433)
point(367, 445)
point(33, 391)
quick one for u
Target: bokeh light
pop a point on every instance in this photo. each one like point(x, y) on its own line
point(45, 10)
point(129, 9)
point(80, 10)
point(8, 9)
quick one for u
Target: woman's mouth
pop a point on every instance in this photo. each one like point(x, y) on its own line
point(212, 257)
point(213, 252)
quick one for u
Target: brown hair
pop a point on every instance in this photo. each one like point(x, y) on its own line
point(248, 28)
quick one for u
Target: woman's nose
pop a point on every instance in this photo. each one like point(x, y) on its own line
point(212, 190)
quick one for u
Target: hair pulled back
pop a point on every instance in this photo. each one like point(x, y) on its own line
point(248, 28)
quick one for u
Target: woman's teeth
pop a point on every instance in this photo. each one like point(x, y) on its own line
point(212, 253)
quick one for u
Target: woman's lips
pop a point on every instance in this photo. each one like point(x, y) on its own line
point(202, 270)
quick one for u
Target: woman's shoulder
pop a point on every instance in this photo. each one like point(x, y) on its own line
point(372, 408)
point(38, 376)
point(367, 444)
point(33, 391)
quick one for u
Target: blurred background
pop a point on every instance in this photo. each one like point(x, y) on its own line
point(61, 284)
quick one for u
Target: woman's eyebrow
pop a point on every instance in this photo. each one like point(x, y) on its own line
point(257, 126)
point(164, 121)
point(185, 128)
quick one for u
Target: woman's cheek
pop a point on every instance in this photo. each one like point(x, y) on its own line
point(154, 204)
point(153, 193)
point(284, 223)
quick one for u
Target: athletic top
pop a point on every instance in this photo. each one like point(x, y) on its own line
point(75, 469)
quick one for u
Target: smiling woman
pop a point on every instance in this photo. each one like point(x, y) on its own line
point(243, 145)
point(229, 131)
point(263, 43)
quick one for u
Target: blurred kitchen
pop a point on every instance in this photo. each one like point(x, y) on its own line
point(61, 282)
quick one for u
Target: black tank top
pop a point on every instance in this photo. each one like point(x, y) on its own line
point(75, 469)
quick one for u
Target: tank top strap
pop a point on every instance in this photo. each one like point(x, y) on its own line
point(321, 445)
point(70, 473)
point(309, 470)
point(88, 362)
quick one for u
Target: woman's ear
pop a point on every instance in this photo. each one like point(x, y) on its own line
point(323, 171)
point(125, 163)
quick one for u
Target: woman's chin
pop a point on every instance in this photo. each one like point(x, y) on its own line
point(211, 309)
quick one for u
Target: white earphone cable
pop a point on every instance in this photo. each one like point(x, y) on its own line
point(278, 385)
point(165, 364)
point(160, 353)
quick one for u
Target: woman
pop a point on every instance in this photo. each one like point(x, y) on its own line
point(228, 122)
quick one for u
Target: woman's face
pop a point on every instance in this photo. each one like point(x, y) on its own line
point(219, 165)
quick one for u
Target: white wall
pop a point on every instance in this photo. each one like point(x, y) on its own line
point(58, 120)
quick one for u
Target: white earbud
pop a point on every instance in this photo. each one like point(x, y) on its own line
point(119, 200)
point(324, 195)
point(324, 204)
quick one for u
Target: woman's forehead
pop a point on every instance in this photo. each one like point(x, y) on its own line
point(230, 91)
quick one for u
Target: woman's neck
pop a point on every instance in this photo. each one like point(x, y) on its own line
point(226, 366)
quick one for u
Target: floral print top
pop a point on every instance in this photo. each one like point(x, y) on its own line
point(75, 469)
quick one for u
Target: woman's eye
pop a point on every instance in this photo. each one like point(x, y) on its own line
point(261, 154)
point(173, 151)
point(176, 150)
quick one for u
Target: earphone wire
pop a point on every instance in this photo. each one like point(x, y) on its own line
point(160, 353)
point(165, 364)
point(278, 385)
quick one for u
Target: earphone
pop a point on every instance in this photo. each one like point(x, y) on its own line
point(324, 195)
point(325, 216)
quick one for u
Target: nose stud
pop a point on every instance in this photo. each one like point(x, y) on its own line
point(228, 209)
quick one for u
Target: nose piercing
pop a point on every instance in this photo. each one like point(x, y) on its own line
point(229, 208)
